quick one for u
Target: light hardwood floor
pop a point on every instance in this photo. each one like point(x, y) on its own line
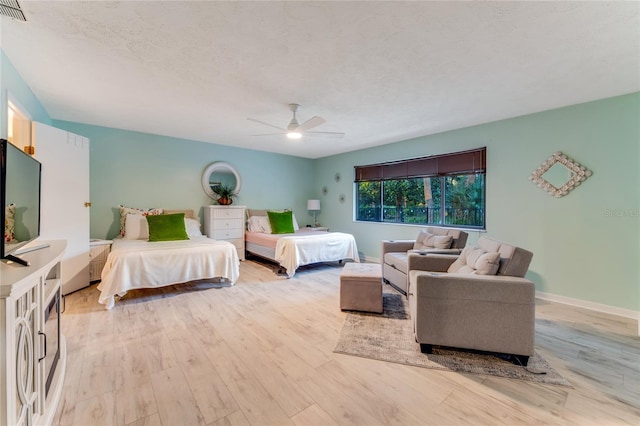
point(260, 353)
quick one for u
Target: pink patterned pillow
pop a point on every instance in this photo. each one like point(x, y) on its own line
point(124, 211)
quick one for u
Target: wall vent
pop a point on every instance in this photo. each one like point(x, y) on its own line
point(11, 8)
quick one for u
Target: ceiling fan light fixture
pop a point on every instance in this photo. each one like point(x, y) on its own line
point(296, 130)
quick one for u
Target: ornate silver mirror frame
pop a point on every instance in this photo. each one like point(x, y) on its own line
point(221, 167)
point(577, 174)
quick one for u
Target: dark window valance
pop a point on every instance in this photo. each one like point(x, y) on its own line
point(472, 161)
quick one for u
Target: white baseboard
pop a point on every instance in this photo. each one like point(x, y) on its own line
point(370, 259)
point(598, 307)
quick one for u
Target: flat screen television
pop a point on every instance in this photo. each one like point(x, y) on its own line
point(20, 176)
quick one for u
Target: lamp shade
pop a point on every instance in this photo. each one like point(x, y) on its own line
point(313, 204)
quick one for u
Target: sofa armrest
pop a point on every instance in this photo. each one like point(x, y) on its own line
point(488, 288)
point(424, 261)
point(396, 246)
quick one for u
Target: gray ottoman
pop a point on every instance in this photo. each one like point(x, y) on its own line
point(361, 287)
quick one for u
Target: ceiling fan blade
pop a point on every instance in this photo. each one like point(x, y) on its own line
point(266, 124)
point(269, 134)
point(336, 135)
point(310, 124)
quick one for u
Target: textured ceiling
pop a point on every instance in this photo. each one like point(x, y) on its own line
point(378, 71)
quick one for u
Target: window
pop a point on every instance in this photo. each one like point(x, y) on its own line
point(445, 190)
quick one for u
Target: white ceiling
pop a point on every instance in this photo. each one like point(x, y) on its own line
point(379, 71)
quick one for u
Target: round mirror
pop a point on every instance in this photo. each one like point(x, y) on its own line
point(220, 173)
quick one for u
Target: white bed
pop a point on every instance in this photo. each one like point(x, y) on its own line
point(135, 264)
point(304, 247)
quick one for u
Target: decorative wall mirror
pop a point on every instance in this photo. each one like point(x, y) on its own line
point(220, 173)
point(559, 174)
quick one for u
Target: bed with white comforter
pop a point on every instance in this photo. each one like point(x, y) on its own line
point(136, 264)
point(303, 247)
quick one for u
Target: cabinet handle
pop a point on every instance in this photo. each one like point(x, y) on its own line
point(40, 333)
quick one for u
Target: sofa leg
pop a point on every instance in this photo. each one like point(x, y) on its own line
point(426, 348)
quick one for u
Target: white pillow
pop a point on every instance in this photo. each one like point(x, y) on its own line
point(193, 227)
point(250, 224)
point(259, 224)
point(124, 211)
point(136, 227)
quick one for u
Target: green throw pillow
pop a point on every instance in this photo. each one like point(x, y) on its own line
point(167, 227)
point(281, 222)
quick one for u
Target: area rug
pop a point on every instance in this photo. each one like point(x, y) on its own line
point(389, 337)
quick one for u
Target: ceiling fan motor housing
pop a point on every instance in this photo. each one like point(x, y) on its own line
point(294, 123)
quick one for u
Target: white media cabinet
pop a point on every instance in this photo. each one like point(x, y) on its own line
point(25, 294)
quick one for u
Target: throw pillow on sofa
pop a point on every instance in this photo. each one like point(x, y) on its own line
point(474, 260)
point(427, 240)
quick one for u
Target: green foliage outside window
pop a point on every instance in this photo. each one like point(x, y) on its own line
point(457, 200)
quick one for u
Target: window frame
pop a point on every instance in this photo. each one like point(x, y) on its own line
point(464, 163)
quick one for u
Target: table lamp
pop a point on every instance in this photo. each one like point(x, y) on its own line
point(314, 206)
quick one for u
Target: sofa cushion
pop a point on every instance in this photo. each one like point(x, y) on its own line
point(397, 261)
point(427, 240)
point(475, 260)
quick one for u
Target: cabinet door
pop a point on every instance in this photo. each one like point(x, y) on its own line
point(65, 190)
point(25, 378)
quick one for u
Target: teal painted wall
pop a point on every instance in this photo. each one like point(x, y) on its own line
point(12, 82)
point(585, 245)
point(144, 170)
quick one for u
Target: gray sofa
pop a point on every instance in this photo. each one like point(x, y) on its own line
point(394, 252)
point(464, 309)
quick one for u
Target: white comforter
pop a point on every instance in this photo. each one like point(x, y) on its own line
point(136, 264)
point(294, 251)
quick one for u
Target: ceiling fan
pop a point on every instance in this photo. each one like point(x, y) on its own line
point(295, 130)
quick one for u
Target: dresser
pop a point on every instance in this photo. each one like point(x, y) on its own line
point(226, 223)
